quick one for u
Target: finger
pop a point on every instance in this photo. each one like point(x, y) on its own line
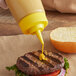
point(3, 4)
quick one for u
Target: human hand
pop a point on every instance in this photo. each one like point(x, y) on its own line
point(3, 4)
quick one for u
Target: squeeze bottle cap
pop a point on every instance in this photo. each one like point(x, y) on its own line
point(34, 24)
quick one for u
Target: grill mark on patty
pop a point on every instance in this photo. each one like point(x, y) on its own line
point(45, 62)
point(52, 58)
point(24, 64)
point(57, 54)
point(31, 62)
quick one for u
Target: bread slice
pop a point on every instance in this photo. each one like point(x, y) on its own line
point(64, 39)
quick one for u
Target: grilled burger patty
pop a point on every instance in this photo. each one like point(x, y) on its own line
point(31, 65)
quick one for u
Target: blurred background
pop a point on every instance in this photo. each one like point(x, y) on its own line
point(8, 25)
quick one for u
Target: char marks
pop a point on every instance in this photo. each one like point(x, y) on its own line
point(24, 64)
point(44, 62)
point(57, 54)
point(54, 59)
point(32, 62)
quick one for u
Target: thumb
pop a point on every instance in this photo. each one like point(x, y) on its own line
point(3, 4)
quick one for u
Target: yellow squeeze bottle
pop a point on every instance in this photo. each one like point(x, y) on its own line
point(30, 16)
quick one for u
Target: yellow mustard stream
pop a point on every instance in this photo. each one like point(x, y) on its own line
point(42, 56)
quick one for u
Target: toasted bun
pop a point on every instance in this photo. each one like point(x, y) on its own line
point(64, 39)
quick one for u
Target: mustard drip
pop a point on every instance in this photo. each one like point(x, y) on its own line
point(42, 56)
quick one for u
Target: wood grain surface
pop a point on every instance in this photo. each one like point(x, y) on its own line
point(8, 25)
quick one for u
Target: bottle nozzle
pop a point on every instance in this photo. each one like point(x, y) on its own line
point(39, 35)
